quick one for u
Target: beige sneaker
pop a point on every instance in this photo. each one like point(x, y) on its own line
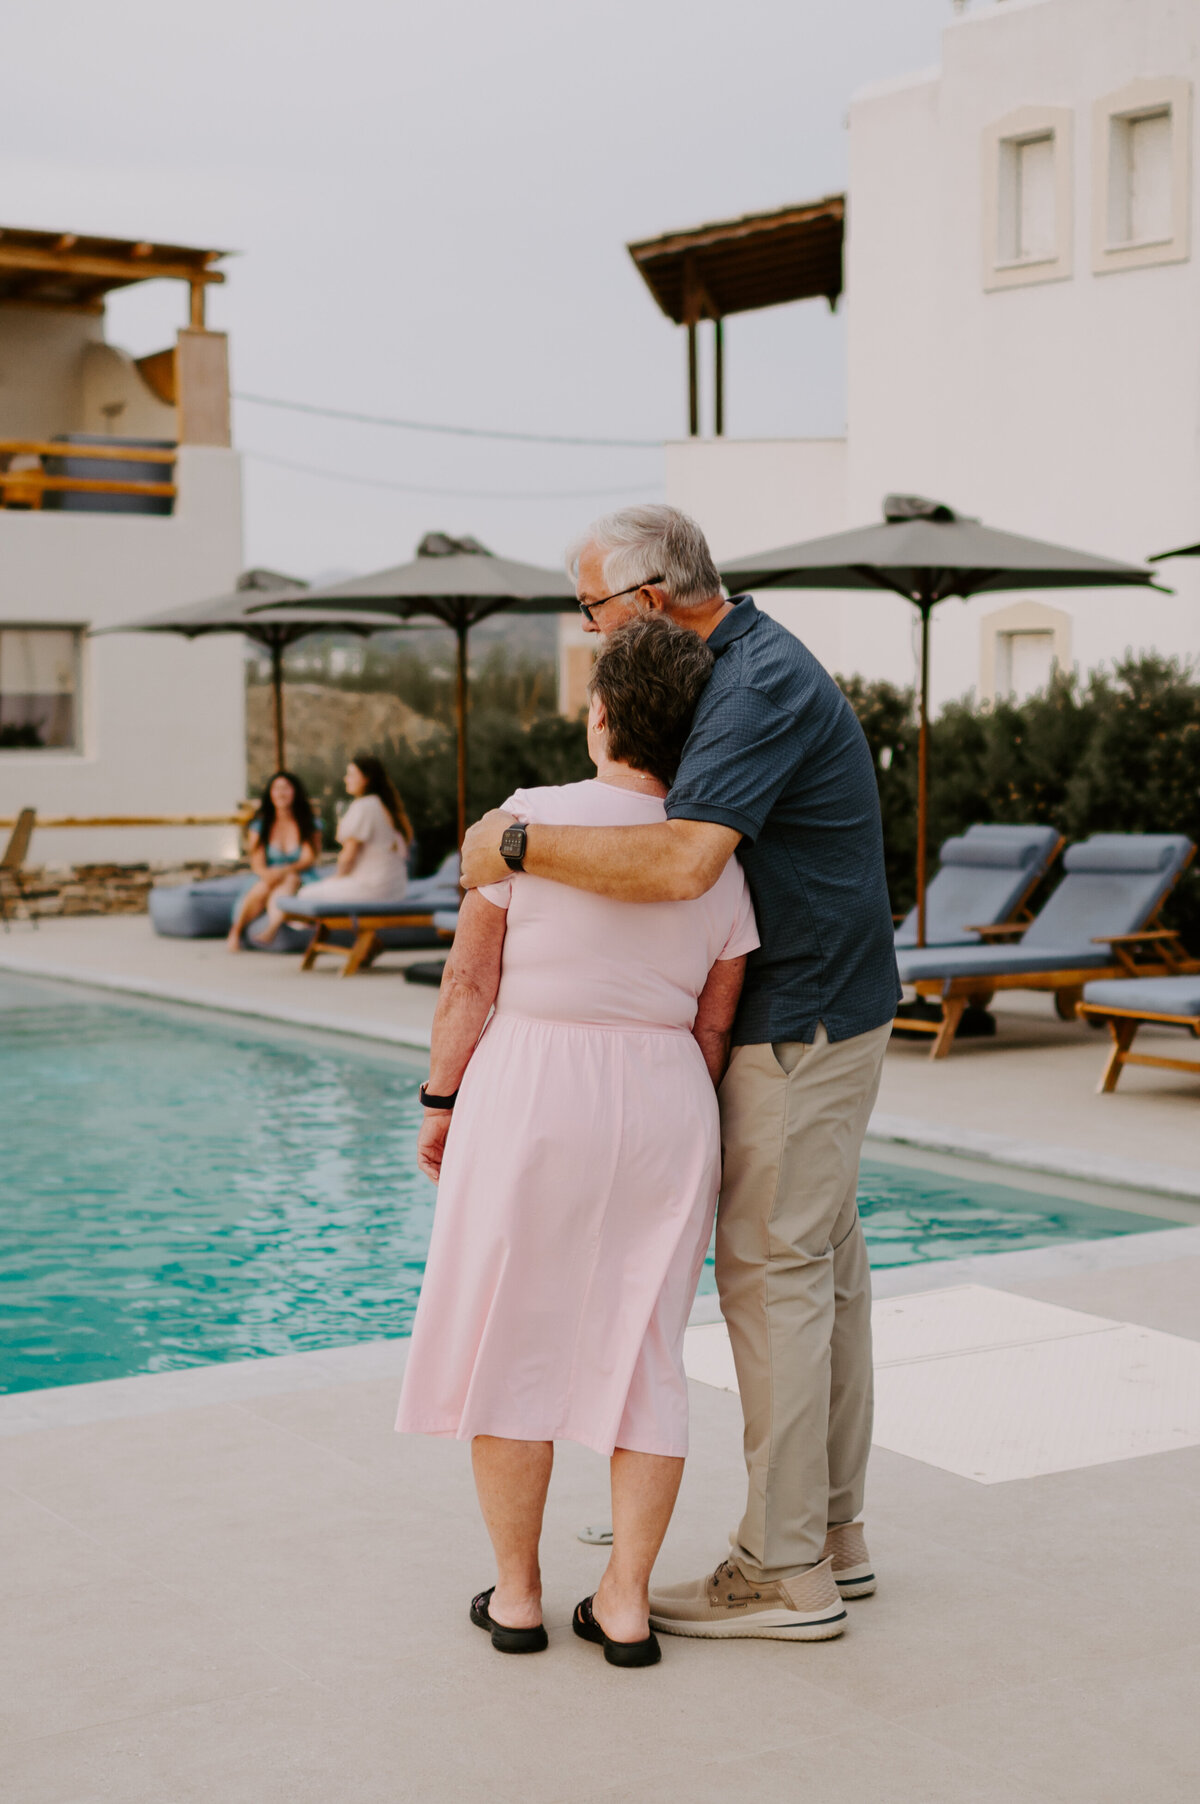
point(727, 1605)
point(846, 1546)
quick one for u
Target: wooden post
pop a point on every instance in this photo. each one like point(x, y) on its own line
point(277, 688)
point(460, 711)
point(718, 378)
point(926, 606)
point(693, 384)
point(196, 309)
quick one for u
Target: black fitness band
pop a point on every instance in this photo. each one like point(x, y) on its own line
point(436, 1102)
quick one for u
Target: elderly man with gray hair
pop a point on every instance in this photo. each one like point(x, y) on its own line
point(777, 770)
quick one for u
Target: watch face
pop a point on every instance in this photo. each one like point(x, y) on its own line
point(512, 842)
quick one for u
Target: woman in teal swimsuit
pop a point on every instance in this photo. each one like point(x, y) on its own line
point(284, 839)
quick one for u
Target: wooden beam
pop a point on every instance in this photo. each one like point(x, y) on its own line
point(118, 269)
point(80, 485)
point(833, 208)
point(133, 454)
point(244, 814)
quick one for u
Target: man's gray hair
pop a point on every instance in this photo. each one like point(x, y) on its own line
point(655, 541)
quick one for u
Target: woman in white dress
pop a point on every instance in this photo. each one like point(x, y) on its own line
point(374, 834)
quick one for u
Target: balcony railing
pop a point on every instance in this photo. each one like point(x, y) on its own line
point(34, 473)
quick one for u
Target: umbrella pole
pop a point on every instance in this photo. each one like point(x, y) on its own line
point(926, 606)
point(460, 710)
point(277, 687)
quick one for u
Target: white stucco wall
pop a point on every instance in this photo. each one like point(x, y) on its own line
point(163, 719)
point(1067, 409)
point(750, 494)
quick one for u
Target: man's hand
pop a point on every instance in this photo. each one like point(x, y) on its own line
point(481, 860)
point(431, 1141)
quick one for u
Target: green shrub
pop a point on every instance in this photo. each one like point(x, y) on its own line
point(1119, 753)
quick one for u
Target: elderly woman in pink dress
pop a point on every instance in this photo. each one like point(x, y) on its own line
point(574, 1139)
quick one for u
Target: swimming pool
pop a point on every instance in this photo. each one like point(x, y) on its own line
point(183, 1187)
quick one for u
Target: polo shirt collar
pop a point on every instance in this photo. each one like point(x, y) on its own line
point(744, 618)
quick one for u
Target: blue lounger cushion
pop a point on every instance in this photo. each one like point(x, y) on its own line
point(982, 876)
point(995, 961)
point(1113, 885)
point(409, 904)
point(1154, 995)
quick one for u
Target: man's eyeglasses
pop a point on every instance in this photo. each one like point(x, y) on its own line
point(588, 608)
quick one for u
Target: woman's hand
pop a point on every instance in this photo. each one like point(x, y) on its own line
point(431, 1142)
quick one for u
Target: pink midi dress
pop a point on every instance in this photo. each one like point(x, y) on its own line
point(580, 1173)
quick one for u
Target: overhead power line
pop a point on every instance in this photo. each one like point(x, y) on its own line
point(376, 419)
point(410, 488)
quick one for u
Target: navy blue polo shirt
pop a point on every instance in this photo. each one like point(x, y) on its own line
point(776, 752)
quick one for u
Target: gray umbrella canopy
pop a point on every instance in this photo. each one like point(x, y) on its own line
point(927, 553)
point(459, 582)
point(231, 613)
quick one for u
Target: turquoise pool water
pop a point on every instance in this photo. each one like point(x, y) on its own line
point(180, 1188)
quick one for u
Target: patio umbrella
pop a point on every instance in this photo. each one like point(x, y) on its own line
point(926, 552)
point(459, 582)
point(1183, 551)
point(231, 614)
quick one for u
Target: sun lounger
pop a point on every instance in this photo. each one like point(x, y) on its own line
point(984, 876)
point(1124, 1007)
point(357, 932)
point(1099, 923)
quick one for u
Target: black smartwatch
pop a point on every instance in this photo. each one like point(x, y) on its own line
point(512, 847)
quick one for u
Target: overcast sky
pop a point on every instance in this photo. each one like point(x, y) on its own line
point(431, 204)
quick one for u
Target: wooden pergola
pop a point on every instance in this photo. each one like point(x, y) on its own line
point(73, 269)
point(738, 266)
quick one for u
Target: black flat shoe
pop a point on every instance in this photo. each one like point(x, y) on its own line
point(617, 1653)
point(507, 1641)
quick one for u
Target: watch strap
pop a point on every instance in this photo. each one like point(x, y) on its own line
point(436, 1102)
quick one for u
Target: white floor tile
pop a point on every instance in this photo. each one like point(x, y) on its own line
point(1047, 1406)
point(931, 1324)
point(993, 1386)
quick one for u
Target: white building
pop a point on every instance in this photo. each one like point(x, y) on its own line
point(1022, 303)
point(127, 725)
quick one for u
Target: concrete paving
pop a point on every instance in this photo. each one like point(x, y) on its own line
point(262, 1600)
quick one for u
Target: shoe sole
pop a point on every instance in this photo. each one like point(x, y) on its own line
point(855, 1581)
point(764, 1625)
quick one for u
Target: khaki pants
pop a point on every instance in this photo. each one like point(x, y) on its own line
point(795, 1288)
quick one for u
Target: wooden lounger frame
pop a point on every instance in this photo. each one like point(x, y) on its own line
point(1160, 950)
point(366, 930)
point(1123, 1024)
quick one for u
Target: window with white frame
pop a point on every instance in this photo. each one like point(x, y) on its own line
point(1027, 202)
point(1024, 664)
point(39, 688)
point(1021, 645)
point(1141, 175)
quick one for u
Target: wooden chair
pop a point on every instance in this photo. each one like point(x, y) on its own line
point(1124, 1007)
point(366, 928)
point(12, 862)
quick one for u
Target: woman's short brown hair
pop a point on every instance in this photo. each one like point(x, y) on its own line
point(649, 675)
